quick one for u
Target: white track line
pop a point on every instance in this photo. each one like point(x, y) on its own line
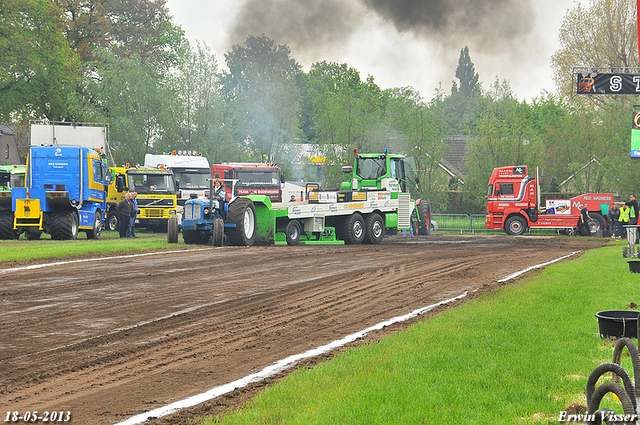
point(539, 266)
point(274, 368)
point(292, 360)
point(61, 263)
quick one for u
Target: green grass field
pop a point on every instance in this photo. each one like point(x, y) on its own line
point(518, 355)
point(22, 250)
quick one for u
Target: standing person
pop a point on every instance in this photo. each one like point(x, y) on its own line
point(632, 203)
point(614, 220)
point(583, 222)
point(124, 213)
point(134, 212)
point(624, 219)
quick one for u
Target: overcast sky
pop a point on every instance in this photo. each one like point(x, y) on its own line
point(399, 42)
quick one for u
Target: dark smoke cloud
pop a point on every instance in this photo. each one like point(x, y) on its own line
point(488, 24)
point(314, 29)
point(309, 27)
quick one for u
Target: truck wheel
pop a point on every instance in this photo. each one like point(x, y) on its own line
point(32, 234)
point(424, 211)
point(353, 229)
point(172, 230)
point(6, 226)
point(293, 231)
point(218, 232)
point(64, 225)
point(113, 220)
point(373, 229)
point(97, 227)
point(596, 223)
point(242, 213)
point(515, 226)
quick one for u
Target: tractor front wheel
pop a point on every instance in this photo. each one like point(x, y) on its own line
point(172, 230)
point(218, 232)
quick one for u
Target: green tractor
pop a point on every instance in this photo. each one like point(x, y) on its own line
point(376, 200)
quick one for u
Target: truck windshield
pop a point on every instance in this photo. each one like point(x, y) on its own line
point(17, 180)
point(258, 178)
point(151, 183)
point(371, 168)
point(193, 179)
point(490, 193)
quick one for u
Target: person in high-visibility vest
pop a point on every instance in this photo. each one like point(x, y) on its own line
point(632, 203)
point(624, 218)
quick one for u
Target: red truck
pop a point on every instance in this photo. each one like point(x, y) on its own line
point(250, 178)
point(513, 204)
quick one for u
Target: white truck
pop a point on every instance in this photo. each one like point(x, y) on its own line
point(190, 171)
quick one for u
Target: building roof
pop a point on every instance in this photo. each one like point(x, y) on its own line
point(454, 157)
point(5, 129)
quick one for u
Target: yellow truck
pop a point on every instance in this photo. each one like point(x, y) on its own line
point(156, 199)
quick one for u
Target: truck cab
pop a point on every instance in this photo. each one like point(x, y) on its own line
point(190, 170)
point(513, 204)
point(156, 195)
point(247, 178)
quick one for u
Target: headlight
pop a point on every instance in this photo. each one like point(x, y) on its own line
point(206, 211)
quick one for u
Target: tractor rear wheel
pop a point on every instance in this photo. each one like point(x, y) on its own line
point(64, 225)
point(172, 230)
point(218, 232)
point(6, 226)
point(424, 224)
point(242, 213)
point(353, 229)
point(374, 229)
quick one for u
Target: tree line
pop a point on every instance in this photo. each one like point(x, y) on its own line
point(125, 63)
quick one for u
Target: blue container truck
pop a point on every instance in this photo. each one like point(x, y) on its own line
point(65, 193)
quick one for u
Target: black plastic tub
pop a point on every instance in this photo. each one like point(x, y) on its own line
point(618, 323)
point(634, 266)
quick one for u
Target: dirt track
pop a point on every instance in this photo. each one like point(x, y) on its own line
point(111, 339)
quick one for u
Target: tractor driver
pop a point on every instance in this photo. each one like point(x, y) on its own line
point(218, 194)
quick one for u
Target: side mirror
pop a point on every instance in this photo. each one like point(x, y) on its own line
point(120, 183)
point(347, 169)
point(5, 178)
point(282, 178)
point(177, 185)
